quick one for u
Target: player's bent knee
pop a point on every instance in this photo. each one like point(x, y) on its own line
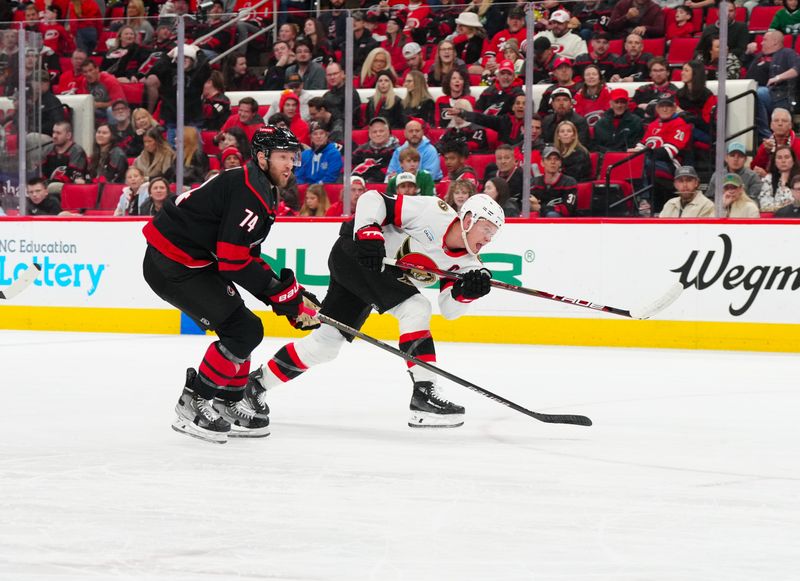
point(242, 332)
point(321, 346)
point(413, 314)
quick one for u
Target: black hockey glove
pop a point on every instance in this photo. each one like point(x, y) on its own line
point(473, 285)
point(371, 248)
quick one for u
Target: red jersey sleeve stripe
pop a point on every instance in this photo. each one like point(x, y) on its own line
point(156, 239)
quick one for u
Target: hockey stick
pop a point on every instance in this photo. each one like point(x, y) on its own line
point(641, 313)
point(548, 418)
point(24, 280)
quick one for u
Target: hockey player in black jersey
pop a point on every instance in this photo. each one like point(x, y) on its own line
point(420, 230)
point(200, 246)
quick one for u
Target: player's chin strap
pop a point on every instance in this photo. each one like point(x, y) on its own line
point(548, 418)
point(464, 234)
point(644, 312)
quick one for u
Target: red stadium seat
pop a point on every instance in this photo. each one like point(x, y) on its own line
point(584, 194)
point(213, 163)
point(479, 161)
point(209, 147)
point(616, 46)
point(78, 197)
point(492, 139)
point(713, 14)
point(334, 192)
point(360, 136)
point(675, 75)
point(761, 17)
point(633, 170)
point(655, 46)
point(109, 196)
point(400, 134)
point(681, 51)
point(595, 159)
point(441, 189)
point(435, 134)
point(134, 93)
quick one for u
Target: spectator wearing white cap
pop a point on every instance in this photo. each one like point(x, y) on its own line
point(406, 184)
point(412, 53)
point(498, 98)
point(469, 40)
point(563, 110)
point(357, 187)
point(567, 43)
point(409, 163)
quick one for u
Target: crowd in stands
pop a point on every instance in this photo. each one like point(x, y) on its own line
point(123, 53)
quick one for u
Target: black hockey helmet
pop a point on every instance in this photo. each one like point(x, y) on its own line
point(273, 138)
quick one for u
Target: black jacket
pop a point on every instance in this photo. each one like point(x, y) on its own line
point(621, 135)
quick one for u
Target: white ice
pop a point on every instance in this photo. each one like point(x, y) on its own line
point(689, 473)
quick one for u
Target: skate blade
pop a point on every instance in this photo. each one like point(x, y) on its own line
point(429, 420)
point(238, 432)
point(190, 429)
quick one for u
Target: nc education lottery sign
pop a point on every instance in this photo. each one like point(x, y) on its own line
point(732, 271)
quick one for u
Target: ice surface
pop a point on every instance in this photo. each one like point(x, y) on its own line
point(690, 471)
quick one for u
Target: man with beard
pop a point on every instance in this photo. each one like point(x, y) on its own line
point(200, 246)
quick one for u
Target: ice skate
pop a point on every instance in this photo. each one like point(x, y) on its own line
point(255, 394)
point(242, 418)
point(430, 410)
point(197, 416)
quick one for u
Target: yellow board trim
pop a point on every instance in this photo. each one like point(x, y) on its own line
point(769, 337)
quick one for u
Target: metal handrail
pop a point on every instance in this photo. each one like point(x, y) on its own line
point(235, 20)
point(646, 151)
point(753, 128)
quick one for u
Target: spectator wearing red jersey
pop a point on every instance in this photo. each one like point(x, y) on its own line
point(679, 25)
point(395, 43)
point(84, 21)
point(515, 22)
point(246, 118)
point(104, 87)
point(781, 127)
point(54, 35)
point(70, 79)
point(414, 60)
point(593, 97)
point(289, 105)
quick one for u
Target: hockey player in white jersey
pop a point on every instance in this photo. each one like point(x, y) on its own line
point(415, 229)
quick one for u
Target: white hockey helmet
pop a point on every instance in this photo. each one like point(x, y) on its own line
point(482, 206)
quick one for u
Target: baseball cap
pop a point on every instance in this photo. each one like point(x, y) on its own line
point(560, 16)
point(506, 66)
point(317, 125)
point(619, 95)
point(550, 150)
point(561, 91)
point(516, 12)
point(411, 49)
point(732, 179)
point(685, 171)
point(737, 146)
point(294, 80)
point(666, 99)
point(378, 120)
point(562, 61)
point(405, 178)
point(358, 180)
point(120, 102)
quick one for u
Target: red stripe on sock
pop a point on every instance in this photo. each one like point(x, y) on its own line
point(218, 368)
point(273, 367)
point(426, 334)
point(427, 358)
point(295, 358)
point(241, 376)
